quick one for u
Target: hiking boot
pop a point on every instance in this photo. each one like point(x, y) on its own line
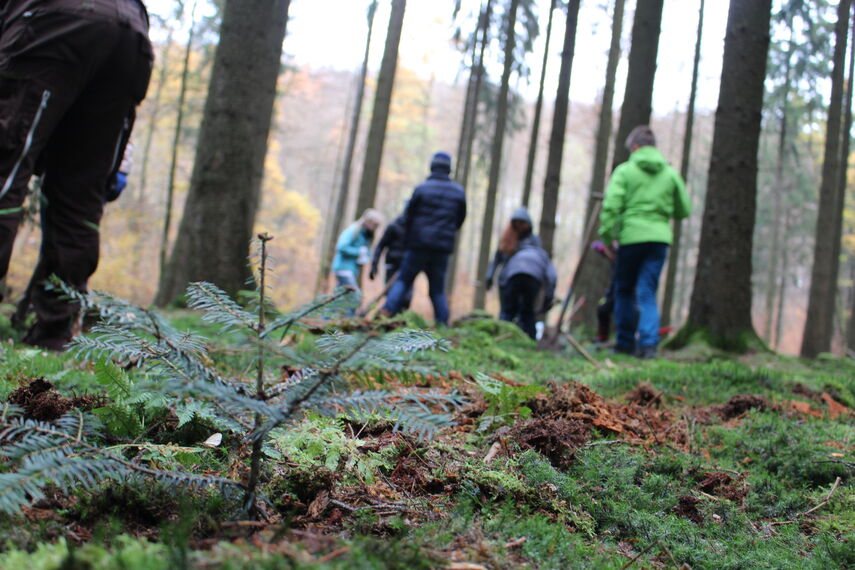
point(43, 337)
point(647, 352)
point(628, 350)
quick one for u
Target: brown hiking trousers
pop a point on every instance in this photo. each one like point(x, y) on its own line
point(71, 75)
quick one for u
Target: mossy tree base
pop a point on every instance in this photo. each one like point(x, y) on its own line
point(739, 342)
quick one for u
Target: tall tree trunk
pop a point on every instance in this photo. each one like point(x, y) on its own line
point(213, 238)
point(674, 255)
point(850, 328)
point(380, 112)
point(845, 139)
point(176, 139)
point(777, 202)
point(496, 155)
point(720, 308)
point(782, 287)
point(538, 108)
point(559, 126)
point(467, 137)
point(638, 96)
point(336, 221)
point(819, 326)
point(155, 112)
point(637, 104)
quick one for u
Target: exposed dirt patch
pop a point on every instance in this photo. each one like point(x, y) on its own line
point(644, 395)
point(42, 402)
point(688, 509)
point(577, 402)
point(740, 404)
point(722, 485)
point(557, 439)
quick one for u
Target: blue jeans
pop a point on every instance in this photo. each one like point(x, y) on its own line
point(636, 280)
point(434, 264)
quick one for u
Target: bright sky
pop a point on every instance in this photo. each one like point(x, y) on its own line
point(331, 33)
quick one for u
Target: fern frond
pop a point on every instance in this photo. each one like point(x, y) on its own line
point(218, 307)
point(114, 380)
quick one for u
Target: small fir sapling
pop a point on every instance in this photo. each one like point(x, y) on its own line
point(176, 366)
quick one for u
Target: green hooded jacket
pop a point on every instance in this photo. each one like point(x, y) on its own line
point(643, 195)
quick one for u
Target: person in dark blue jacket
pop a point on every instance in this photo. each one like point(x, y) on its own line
point(433, 216)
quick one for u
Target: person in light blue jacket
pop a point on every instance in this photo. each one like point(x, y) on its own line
point(353, 248)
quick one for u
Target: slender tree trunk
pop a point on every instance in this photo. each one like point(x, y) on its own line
point(215, 231)
point(782, 288)
point(155, 112)
point(496, 155)
point(845, 139)
point(559, 127)
point(684, 270)
point(595, 272)
point(674, 256)
point(604, 124)
point(720, 309)
point(819, 326)
point(380, 112)
point(850, 329)
point(337, 219)
point(538, 108)
point(777, 204)
point(638, 96)
point(467, 136)
point(176, 139)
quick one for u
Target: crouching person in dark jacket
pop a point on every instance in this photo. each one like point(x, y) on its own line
point(526, 274)
point(434, 213)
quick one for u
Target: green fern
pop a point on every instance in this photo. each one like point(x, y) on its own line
point(176, 371)
point(60, 452)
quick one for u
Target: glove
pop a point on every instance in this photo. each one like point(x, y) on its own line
point(488, 284)
point(373, 273)
point(117, 184)
point(547, 304)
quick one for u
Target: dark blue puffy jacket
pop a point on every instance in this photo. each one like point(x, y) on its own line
point(435, 213)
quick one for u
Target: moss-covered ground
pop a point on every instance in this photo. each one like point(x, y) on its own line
point(697, 459)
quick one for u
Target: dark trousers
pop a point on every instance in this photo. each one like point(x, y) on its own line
point(392, 272)
point(434, 264)
point(637, 274)
point(71, 75)
point(518, 297)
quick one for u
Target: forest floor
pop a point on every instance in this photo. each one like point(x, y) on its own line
point(697, 459)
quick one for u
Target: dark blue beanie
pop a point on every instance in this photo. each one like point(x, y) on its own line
point(441, 162)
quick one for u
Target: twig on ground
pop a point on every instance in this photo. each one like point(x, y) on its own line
point(824, 501)
point(494, 451)
point(613, 442)
point(333, 554)
point(637, 556)
point(502, 337)
point(581, 350)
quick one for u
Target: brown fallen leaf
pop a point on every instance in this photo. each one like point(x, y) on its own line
point(317, 506)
